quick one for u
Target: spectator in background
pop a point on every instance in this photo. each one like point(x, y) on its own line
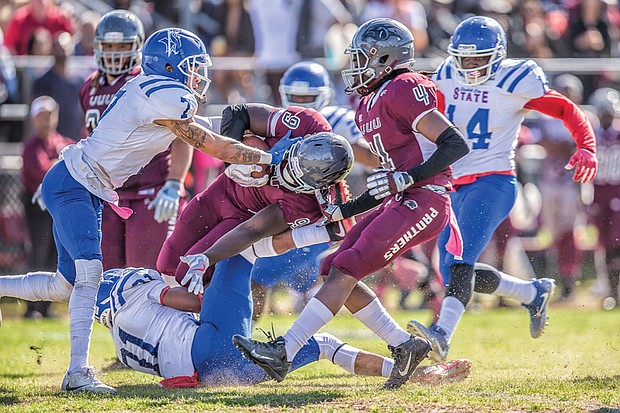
point(232, 36)
point(40, 153)
point(40, 43)
point(275, 24)
point(589, 31)
point(316, 18)
point(9, 93)
point(590, 34)
point(84, 44)
point(605, 208)
point(64, 87)
point(409, 12)
point(561, 197)
point(36, 14)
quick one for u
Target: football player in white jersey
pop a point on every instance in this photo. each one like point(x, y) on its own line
point(155, 333)
point(487, 95)
point(142, 120)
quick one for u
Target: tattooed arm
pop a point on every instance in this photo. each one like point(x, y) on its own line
point(211, 143)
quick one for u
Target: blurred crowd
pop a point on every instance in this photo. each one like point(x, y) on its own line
point(551, 229)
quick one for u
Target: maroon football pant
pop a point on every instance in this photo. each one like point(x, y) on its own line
point(383, 235)
point(207, 217)
point(136, 241)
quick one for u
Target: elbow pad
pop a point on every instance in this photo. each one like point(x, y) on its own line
point(235, 121)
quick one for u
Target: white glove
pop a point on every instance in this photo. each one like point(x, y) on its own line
point(166, 202)
point(241, 174)
point(331, 213)
point(386, 182)
point(198, 264)
point(38, 198)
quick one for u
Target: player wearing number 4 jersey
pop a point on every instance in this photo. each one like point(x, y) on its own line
point(487, 96)
point(396, 112)
point(142, 120)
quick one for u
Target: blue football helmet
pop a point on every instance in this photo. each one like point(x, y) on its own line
point(306, 79)
point(103, 313)
point(178, 54)
point(477, 36)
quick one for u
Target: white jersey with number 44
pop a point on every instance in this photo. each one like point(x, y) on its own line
point(490, 115)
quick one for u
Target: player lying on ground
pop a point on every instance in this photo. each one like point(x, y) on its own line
point(155, 333)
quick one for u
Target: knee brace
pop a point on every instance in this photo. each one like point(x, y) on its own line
point(461, 284)
point(487, 278)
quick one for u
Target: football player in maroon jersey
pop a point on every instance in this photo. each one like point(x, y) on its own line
point(416, 145)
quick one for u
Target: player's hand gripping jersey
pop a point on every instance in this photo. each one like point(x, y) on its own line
point(126, 138)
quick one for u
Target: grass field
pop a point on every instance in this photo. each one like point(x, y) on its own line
point(574, 367)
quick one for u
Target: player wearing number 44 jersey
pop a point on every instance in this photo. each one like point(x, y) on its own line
point(396, 112)
point(487, 96)
point(143, 119)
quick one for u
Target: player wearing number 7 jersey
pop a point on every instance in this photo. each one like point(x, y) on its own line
point(487, 96)
point(397, 111)
point(144, 117)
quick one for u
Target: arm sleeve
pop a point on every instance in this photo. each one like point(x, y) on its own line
point(441, 102)
point(560, 107)
point(451, 147)
point(362, 203)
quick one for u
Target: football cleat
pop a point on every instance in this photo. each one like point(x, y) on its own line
point(270, 355)
point(538, 307)
point(437, 337)
point(85, 381)
point(451, 372)
point(407, 356)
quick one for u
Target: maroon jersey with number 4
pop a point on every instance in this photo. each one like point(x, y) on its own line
point(388, 118)
point(95, 95)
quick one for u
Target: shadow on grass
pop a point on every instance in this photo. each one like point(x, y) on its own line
point(14, 376)
point(279, 397)
point(609, 382)
point(606, 410)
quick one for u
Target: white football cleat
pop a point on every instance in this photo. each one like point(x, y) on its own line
point(85, 381)
point(451, 372)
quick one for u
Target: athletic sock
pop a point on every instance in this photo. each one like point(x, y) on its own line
point(452, 310)
point(379, 321)
point(82, 311)
point(314, 316)
point(33, 286)
point(516, 288)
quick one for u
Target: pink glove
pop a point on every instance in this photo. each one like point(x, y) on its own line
point(585, 164)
